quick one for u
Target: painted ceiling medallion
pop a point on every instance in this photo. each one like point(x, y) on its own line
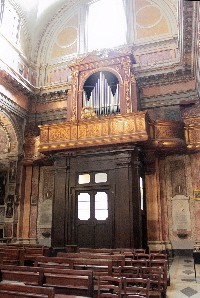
point(67, 37)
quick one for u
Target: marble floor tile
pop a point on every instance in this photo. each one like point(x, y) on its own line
point(183, 283)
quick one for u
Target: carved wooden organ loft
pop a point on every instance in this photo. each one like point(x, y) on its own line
point(103, 115)
point(103, 109)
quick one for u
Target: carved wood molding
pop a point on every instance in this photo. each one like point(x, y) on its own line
point(162, 137)
point(108, 130)
point(118, 62)
point(192, 134)
point(167, 134)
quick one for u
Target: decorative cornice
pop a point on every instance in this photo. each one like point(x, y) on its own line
point(167, 99)
point(9, 76)
point(165, 78)
point(7, 104)
point(56, 115)
point(44, 98)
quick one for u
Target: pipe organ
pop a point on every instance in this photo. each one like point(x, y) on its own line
point(103, 96)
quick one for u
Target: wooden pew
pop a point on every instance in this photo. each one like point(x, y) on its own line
point(51, 262)
point(99, 250)
point(69, 284)
point(30, 252)
point(10, 256)
point(8, 290)
point(65, 281)
point(98, 266)
point(24, 274)
point(118, 259)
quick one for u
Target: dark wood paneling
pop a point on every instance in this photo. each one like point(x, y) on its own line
point(125, 225)
point(58, 224)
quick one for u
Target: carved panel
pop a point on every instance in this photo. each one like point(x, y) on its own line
point(44, 135)
point(192, 135)
point(119, 63)
point(8, 230)
point(167, 133)
point(104, 130)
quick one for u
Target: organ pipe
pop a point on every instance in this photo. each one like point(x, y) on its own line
point(102, 99)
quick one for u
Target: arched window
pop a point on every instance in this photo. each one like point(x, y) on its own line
point(101, 92)
point(106, 24)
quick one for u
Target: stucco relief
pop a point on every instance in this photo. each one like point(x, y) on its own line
point(66, 39)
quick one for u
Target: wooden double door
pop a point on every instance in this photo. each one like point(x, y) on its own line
point(93, 218)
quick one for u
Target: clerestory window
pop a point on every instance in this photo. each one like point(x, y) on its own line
point(106, 24)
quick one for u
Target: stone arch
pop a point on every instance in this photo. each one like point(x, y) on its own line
point(9, 145)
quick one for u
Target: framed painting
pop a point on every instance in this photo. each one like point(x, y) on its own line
point(34, 201)
point(197, 194)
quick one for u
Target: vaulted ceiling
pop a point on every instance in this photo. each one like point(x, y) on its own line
point(38, 13)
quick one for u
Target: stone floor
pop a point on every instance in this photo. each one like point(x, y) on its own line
point(182, 278)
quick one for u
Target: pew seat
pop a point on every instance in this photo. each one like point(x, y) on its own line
point(9, 290)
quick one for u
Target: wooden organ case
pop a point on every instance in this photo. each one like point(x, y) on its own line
point(98, 168)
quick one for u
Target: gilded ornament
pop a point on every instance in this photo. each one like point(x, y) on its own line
point(140, 123)
point(88, 113)
point(81, 131)
point(104, 128)
point(44, 135)
point(74, 132)
point(94, 130)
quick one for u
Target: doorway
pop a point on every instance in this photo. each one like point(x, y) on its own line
point(93, 218)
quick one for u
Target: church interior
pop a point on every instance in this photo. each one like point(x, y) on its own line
point(100, 142)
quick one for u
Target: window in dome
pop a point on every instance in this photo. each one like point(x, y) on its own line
point(106, 24)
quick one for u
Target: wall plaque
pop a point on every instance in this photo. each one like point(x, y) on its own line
point(181, 213)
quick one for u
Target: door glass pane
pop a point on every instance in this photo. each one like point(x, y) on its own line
point(84, 178)
point(84, 206)
point(141, 194)
point(101, 205)
point(100, 177)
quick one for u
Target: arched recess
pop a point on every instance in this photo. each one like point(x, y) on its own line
point(104, 100)
point(9, 145)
